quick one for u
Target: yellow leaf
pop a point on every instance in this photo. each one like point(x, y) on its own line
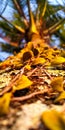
point(39, 60)
point(60, 97)
point(28, 67)
point(30, 45)
point(53, 120)
point(58, 60)
point(23, 83)
point(19, 28)
point(57, 84)
point(4, 103)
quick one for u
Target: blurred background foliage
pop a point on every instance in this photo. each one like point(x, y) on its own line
point(20, 19)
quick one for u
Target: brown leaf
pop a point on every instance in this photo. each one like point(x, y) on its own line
point(57, 84)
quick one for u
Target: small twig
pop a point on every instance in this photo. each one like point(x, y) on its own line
point(23, 98)
point(13, 82)
point(8, 87)
point(41, 99)
point(30, 73)
point(47, 73)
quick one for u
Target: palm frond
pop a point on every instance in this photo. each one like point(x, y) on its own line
point(54, 28)
point(3, 6)
point(26, 21)
point(13, 25)
point(32, 22)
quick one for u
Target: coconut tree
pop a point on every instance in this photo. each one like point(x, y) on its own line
point(32, 19)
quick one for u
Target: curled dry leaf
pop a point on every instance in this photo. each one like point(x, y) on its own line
point(57, 84)
point(39, 60)
point(57, 60)
point(60, 97)
point(27, 55)
point(22, 83)
point(28, 67)
point(35, 51)
point(4, 103)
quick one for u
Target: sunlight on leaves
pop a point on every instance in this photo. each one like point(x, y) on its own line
point(20, 28)
point(4, 103)
point(28, 67)
point(30, 45)
point(39, 60)
point(54, 120)
point(22, 83)
point(57, 84)
point(58, 60)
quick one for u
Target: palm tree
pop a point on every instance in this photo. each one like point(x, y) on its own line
point(33, 19)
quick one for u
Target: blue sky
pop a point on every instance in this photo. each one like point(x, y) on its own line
point(56, 1)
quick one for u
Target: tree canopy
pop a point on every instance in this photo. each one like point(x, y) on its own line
point(32, 16)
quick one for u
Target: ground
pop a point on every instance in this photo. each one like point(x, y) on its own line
point(32, 83)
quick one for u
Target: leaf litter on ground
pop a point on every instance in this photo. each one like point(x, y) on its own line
point(34, 75)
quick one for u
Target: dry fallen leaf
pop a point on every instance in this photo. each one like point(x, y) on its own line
point(53, 120)
point(27, 55)
point(57, 60)
point(4, 103)
point(60, 97)
point(28, 67)
point(57, 84)
point(22, 83)
point(39, 60)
